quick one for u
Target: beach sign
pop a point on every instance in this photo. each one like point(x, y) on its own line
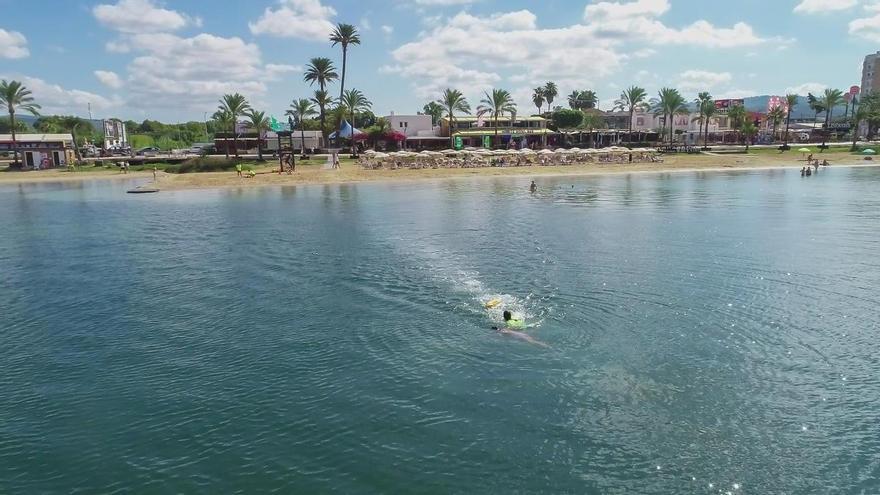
point(458, 144)
point(277, 126)
point(487, 141)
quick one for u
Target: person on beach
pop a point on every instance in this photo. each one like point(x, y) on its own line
point(825, 163)
point(803, 171)
point(238, 170)
point(155, 172)
point(809, 171)
point(533, 187)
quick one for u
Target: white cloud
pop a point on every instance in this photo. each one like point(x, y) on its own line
point(803, 89)
point(13, 44)
point(818, 6)
point(473, 52)
point(141, 16)
point(109, 78)
point(703, 80)
point(55, 99)
point(443, 3)
point(388, 30)
point(306, 19)
point(365, 24)
point(867, 28)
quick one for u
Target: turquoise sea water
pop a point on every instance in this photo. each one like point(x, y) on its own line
point(710, 332)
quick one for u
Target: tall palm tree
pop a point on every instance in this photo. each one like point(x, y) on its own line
point(236, 105)
point(815, 106)
point(434, 110)
point(321, 71)
point(709, 112)
point(859, 114)
point(453, 101)
point(829, 100)
point(223, 120)
point(749, 130)
point(15, 96)
point(591, 122)
point(631, 99)
point(259, 123)
point(669, 104)
point(354, 101)
point(701, 100)
point(582, 100)
point(344, 35)
point(496, 104)
point(301, 110)
point(737, 116)
point(324, 101)
point(776, 116)
point(538, 99)
point(791, 100)
point(550, 94)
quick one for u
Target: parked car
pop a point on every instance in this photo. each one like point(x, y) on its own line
point(148, 151)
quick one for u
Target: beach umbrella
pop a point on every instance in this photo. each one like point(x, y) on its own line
point(869, 151)
point(545, 152)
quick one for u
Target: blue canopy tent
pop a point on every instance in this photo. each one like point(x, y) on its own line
point(346, 131)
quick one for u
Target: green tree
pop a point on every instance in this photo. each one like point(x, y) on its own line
point(235, 105)
point(301, 110)
point(859, 115)
point(776, 115)
point(582, 100)
point(631, 99)
point(590, 122)
point(737, 116)
point(550, 94)
point(709, 111)
point(324, 101)
point(453, 101)
point(16, 97)
point(791, 100)
point(6, 127)
point(669, 104)
point(538, 99)
point(567, 118)
point(749, 131)
point(496, 104)
point(701, 101)
point(223, 120)
point(435, 111)
point(344, 35)
point(258, 122)
point(321, 71)
point(829, 100)
point(354, 101)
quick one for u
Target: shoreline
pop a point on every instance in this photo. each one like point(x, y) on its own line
point(352, 174)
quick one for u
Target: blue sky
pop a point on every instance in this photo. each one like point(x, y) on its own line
point(171, 60)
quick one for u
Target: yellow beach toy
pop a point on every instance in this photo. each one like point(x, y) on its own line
point(491, 304)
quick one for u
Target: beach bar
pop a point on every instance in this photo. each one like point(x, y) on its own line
point(40, 151)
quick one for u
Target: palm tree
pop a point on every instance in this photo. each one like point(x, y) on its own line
point(496, 104)
point(224, 120)
point(737, 116)
point(300, 110)
point(776, 116)
point(749, 130)
point(815, 106)
point(344, 35)
point(15, 96)
point(236, 105)
point(435, 111)
point(550, 94)
point(630, 100)
point(453, 101)
point(792, 101)
point(669, 104)
point(829, 100)
point(701, 100)
point(321, 71)
point(324, 101)
point(709, 111)
point(538, 99)
point(260, 123)
point(591, 122)
point(354, 101)
point(582, 100)
point(859, 114)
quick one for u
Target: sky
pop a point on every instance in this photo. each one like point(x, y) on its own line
point(172, 60)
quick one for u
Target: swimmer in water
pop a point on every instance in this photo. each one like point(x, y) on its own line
point(533, 187)
point(512, 327)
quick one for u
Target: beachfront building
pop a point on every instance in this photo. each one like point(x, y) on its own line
point(247, 142)
point(115, 134)
point(41, 151)
point(512, 131)
point(420, 131)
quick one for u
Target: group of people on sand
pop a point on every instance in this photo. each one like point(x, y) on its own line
point(807, 171)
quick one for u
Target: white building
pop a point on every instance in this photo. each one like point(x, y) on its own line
point(115, 134)
point(419, 130)
point(41, 151)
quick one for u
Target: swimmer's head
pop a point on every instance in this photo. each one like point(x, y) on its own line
point(507, 316)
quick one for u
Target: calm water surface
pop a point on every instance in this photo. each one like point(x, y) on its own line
point(710, 332)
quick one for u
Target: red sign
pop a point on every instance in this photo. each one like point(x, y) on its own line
point(855, 90)
point(777, 102)
point(725, 104)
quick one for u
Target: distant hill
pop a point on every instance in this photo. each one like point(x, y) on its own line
point(801, 111)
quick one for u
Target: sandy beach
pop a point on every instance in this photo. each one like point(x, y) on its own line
point(351, 172)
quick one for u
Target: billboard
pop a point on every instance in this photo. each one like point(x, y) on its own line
point(724, 105)
point(777, 102)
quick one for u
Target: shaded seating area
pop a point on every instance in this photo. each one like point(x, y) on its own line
point(481, 158)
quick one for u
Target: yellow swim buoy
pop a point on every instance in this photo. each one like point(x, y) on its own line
point(491, 304)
